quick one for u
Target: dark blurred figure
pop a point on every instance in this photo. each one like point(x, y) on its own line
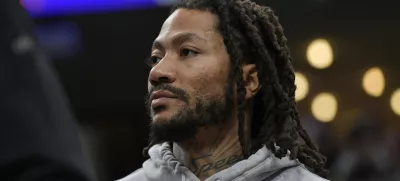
point(38, 136)
point(370, 154)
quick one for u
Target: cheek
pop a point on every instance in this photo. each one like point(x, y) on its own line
point(207, 77)
point(209, 84)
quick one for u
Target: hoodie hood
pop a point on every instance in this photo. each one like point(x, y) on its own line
point(163, 165)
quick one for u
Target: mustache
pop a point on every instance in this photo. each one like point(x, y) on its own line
point(179, 93)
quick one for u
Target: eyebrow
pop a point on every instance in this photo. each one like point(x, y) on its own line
point(179, 39)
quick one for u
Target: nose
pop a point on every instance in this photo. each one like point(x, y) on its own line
point(163, 72)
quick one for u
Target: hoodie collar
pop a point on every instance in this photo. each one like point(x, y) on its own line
point(262, 164)
point(258, 166)
point(163, 165)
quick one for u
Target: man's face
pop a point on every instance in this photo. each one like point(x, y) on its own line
point(189, 85)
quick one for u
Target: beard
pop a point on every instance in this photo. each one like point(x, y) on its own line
point(186, 122)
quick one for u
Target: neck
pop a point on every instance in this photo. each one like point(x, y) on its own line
point(214, 149)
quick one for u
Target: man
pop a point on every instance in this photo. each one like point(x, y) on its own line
point(38, 136)
point(221, 99)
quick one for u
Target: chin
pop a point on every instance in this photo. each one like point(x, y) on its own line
point(163, 116)
point(167, 112)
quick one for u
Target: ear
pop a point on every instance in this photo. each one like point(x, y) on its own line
point(251, 82)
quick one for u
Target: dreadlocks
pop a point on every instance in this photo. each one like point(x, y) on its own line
point(253, 34)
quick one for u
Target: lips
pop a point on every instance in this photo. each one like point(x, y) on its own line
point(162, 94)
point(159, 99)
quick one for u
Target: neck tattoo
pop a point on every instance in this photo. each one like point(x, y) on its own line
point(207, 165)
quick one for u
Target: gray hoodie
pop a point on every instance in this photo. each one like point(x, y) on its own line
point(261, 166)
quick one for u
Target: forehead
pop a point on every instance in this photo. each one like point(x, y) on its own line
point(202, 23)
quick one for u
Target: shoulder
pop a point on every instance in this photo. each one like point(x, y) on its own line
point(299, 173)
point(139, 174)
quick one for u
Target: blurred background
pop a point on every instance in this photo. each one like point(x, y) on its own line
point(346, 58)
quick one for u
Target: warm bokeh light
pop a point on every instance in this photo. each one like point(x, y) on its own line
point(374, 82)
point(395, 102)
point(320, 54)
point(324, 107)
point(302, 86)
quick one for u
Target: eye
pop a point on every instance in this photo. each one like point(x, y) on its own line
point(153, 60)
point(188, 52)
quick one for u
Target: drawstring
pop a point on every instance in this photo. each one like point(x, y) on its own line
point(183, 177)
